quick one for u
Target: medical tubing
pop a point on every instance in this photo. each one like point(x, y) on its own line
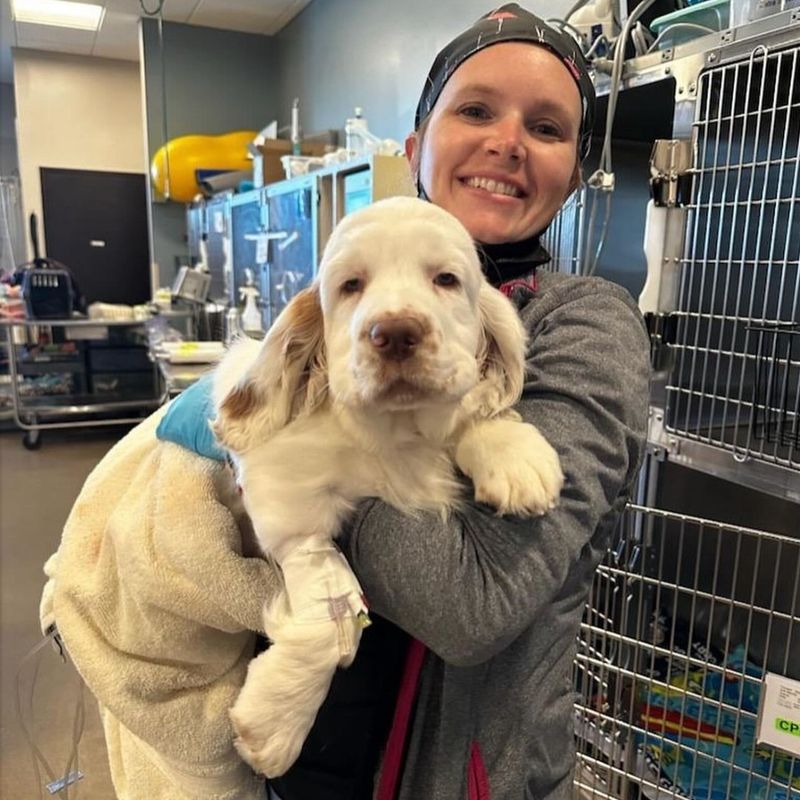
point(38, 758)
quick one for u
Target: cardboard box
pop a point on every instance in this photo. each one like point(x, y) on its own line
point(271, 151)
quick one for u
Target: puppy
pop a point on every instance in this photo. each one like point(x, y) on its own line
point(399, 364)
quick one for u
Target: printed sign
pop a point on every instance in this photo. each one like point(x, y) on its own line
point(779, 715)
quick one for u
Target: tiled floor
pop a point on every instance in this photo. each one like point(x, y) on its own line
point(37, 490)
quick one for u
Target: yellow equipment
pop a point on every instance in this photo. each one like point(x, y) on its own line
point(175, 164)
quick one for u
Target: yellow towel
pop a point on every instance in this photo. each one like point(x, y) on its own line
point(157, 603)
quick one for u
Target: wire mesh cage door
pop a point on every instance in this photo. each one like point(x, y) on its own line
point(684, 618)
point(736, 380)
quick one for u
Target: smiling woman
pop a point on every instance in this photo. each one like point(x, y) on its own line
point(502, 155)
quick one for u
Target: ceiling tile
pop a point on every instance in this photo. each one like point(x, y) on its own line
point(243, 21)
point(119, 34)
point(290, 9)
point(118, 37)
point(174, 10)
point(249, 16)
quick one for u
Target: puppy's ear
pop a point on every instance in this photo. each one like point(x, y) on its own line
point(501, 355)
point(288, 377)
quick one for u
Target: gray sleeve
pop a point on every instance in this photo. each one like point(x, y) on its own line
point(469, 586)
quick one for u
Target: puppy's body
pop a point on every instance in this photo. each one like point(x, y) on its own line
point(400, 364)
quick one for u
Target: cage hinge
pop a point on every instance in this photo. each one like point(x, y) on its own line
point(660, 445)
point(670, 172)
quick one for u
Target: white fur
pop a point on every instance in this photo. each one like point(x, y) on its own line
point(318, 417)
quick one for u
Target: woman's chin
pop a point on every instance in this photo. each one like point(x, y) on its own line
point(496, 228)
point(495, 234)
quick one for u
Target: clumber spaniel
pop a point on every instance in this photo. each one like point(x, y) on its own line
point(399, 364)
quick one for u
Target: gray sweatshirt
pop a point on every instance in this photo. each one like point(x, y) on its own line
point(498, 601)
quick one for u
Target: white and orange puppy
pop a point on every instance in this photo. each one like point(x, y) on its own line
point(399, 364)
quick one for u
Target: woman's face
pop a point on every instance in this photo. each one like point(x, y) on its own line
point(499, 150)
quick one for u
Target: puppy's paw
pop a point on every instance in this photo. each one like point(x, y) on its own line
point(278, 703)
point(286, 685)
point(512, 466)
point(269, 747)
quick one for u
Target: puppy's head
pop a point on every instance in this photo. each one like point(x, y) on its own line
point(400, 317)
point(409, 319)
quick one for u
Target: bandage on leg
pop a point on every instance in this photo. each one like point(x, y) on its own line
point(314, 625)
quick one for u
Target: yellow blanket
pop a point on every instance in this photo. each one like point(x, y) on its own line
point(157, 603)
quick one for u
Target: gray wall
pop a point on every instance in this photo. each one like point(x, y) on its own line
point(215, 81)
point(337, 54)
point(9, 164)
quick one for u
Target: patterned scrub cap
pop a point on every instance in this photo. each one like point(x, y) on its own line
point(510, 23)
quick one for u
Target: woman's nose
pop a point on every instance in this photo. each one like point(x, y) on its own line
point(506, 140)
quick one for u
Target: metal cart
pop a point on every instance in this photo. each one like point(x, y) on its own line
point(688, 612)
point(85, 400)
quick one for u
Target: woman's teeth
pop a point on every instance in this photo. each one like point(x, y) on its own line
point(496, 187)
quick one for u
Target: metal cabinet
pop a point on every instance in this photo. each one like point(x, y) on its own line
point(293, 239)
point(280, 232)
point(250, 248)
point(698, 595)
point(217, 242)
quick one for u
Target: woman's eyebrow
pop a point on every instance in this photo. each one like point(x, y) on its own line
point(546, 105)
point(476, 88)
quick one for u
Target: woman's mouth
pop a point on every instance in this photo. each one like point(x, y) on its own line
point(493, 186)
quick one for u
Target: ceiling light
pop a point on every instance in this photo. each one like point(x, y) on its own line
point(59, 13)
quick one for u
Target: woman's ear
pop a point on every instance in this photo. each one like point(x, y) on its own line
point(577, 179)
point(501, 355)
point(411, 152)
point(288, 377)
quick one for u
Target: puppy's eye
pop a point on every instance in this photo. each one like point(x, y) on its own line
point(446, 279)
point(352, 285)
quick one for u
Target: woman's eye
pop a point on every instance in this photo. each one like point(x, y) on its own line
point(474, 112)
point(352, 285)
point(446, 279)
point(547, 129)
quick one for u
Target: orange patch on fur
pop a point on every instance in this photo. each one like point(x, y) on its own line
point(304, 321)
point(240, 402)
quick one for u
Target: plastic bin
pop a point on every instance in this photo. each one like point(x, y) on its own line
point(713, 14)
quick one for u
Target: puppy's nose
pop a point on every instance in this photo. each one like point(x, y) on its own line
point(396, 339)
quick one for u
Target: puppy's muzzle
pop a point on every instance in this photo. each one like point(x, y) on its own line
point(396, 339)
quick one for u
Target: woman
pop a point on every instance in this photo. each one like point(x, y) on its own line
point(492, 605)
point(502, 126)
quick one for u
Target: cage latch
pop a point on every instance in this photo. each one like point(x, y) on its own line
point(662, 329)
point(670, 172)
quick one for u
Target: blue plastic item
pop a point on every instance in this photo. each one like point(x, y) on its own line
point(713, 14)
point(187, 418)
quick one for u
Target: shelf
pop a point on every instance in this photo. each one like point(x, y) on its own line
point(85, 404)
point(50, 366)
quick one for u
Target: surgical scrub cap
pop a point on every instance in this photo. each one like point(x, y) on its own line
point(510, 23)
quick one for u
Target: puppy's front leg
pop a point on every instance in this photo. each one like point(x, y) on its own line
point(314, 626)
point(512, 466)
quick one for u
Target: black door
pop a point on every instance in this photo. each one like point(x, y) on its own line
point(96, 224)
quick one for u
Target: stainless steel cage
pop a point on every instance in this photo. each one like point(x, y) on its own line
point(564, 239)
point(684, 617)
point(686, 614)
point(736, 380)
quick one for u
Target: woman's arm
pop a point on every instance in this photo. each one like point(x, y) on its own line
point(469, 586)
